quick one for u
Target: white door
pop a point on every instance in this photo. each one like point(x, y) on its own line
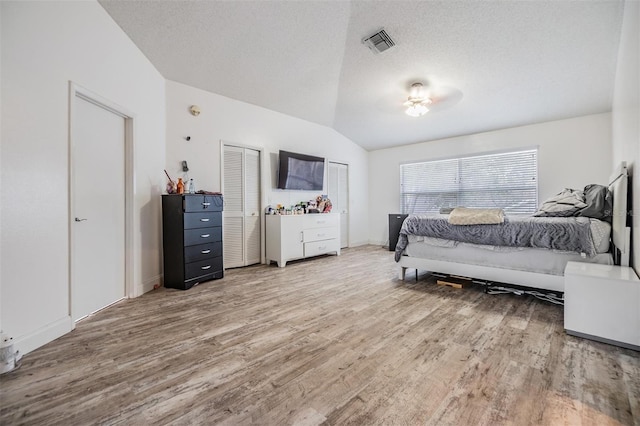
point(338, 193)
point(241, 189)
point(252, 206)
point(98, 210)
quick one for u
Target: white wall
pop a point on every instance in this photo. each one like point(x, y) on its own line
point(44, 46)
point(571, 153)
point(0, 167)
point(626, 111)
point(224, 119)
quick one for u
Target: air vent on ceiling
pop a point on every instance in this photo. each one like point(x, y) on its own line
point(379, 42)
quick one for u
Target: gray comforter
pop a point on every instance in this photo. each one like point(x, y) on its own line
point(559, 233)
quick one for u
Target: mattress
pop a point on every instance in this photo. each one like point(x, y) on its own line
point(537, 260)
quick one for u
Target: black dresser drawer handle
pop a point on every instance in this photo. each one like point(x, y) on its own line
point(205, 251)
point(205, 235)
point(205, 267)
point(204, 220)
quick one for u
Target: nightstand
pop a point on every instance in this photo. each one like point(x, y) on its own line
point(602, 302)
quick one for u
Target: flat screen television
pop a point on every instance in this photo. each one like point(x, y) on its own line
point(301, 172)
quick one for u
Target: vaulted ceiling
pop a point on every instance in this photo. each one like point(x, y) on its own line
point(499, 63)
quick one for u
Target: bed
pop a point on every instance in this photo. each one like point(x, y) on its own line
point(539, 267)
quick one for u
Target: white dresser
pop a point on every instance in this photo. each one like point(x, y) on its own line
point(602, 302)
point(299, 236)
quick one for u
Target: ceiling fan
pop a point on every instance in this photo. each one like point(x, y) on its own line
point(423, 98)
point(418, 98)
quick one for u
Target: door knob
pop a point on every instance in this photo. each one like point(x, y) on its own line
point(80, 220)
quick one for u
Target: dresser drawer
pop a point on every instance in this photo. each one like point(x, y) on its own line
point(320, 220)
point(202, 236)
point(202, 267)
point(199, 203)
point(319, 234)
point(320, 247)
point(202, 251)
point(202, 220)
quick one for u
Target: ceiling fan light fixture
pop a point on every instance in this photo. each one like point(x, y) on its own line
point(416, 110)
point(417, 101)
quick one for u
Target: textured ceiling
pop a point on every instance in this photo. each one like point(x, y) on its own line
point(514, 62)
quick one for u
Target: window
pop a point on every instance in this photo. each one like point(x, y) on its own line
point(507, 180)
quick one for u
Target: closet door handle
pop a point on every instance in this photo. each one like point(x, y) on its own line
point(80, 220)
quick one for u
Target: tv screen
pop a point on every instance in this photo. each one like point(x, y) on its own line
point(299, 171)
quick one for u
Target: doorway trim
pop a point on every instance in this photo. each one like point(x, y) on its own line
point(345, 163)
point(77, 91)
point(224, 143)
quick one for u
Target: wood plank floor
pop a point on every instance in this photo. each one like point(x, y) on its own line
point(334, 340)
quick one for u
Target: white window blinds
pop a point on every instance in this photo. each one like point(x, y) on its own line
point(506, 180)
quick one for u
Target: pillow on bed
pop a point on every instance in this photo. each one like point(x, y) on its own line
point(599, 202)
point(566, 203)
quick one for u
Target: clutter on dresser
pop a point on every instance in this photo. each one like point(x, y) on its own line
point(321, 204)
point(171, 185)
point(184, 184)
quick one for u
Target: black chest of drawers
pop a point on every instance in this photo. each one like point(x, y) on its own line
point(191, 239)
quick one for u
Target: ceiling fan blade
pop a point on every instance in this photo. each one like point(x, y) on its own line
point(444, 98)
point(391, 104)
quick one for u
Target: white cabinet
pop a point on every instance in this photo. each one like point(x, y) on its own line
point(602, 302)
point(299, 236)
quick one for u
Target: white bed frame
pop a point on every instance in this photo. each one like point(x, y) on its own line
point(620, 240)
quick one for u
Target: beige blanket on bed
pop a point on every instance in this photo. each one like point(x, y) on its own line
point(465, 216)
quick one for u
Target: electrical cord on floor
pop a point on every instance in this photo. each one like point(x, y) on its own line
point(546, 296)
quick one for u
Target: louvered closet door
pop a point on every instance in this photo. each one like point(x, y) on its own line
point(252, 206)
point(242, 206)
point(338, 192)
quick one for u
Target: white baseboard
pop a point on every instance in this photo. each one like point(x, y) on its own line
point(148, 285)
point(358, 243)
point(44, 335)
